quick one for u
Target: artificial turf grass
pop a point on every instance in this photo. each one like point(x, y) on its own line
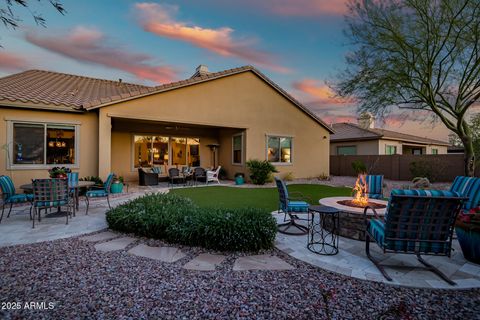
point(264, 198)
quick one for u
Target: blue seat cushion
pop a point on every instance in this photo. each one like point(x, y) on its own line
point(468, 187)
point(19, 198)
point(56, 203)
point(375, 195)
point(297, 206)
point(96, 193)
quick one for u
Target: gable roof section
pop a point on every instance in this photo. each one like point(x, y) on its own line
point(66, 92)
point(352, 132)
point(59, 91)
point(204, 78)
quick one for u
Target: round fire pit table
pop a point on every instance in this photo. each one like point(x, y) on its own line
point(323, 240)
point(352, 224)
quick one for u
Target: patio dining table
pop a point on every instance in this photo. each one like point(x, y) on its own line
point(28, 188)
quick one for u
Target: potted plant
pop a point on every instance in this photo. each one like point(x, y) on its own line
point(59, 172)
point(239, 178)
point(117, 185)
point(467, 228)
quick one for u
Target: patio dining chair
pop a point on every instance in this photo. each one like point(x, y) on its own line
point(213, 175)
point(374, 186)
point(416, 222)
point(73, 181)
point(100, 192)
point(11, 197)
point(51, 193)
point(199, 175)
point(174, 177)
point(292, 206)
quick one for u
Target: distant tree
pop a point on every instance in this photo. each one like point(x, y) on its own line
point(11, 20)
point(415, 54)
point(475, 129)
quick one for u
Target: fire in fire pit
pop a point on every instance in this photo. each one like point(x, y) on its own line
point(360, 196)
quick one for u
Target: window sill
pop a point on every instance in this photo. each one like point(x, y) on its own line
point(282, 163)
point(41, 166)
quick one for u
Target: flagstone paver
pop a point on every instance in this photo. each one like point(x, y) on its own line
point(261, 262)
point(205, 262)
point(114, 245)
point(102, 236)
point(165, 254)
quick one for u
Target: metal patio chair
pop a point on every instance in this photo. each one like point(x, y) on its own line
point(11, 197)
point(291, 204)
point(374, 186)
point(100, 192)
point(51, 193)
point(416, 222)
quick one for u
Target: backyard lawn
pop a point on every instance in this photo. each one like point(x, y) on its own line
point(266, 198)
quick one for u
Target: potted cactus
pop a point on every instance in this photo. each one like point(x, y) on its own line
point(467, 228)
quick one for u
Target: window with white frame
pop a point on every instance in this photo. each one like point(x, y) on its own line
point(434, 151)
point(42, 144)
point(390, 150)
point(237, 149)
point(279, 149)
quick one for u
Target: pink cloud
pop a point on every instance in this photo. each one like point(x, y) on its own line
point(318, 91)
point(90, 45)
point(305, 7)
point(158, 19)
point(12, 62)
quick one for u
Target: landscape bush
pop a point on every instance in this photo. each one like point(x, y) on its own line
point(359, 167)
point(260, 171)
point(177, 219)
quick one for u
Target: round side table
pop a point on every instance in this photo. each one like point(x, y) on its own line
point(322, 239)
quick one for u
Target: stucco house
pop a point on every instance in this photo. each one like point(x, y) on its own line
point(99, 126)
point(364, 139)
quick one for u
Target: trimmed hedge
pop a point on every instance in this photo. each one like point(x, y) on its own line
point(177, 219)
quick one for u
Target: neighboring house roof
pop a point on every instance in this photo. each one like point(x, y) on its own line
point(352, 132)
point(65, 92)
point(59, 91)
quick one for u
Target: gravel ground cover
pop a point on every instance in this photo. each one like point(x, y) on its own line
point(85, 284)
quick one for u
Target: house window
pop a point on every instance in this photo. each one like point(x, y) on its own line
point(389, 150)
point(237, 149)
point(279, 149)
point(434, 151)
point(347, 150)
point(159, 150)
point(40, 144)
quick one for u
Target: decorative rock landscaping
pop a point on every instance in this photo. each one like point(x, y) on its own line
point(82, 282)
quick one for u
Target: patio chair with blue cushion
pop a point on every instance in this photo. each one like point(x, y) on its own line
point(468, 187)
point(416, 222)
point(10, 197)
point(72, 181)
point(374, 186)
point(51, 193)
point(100, 192)
point(291, 204)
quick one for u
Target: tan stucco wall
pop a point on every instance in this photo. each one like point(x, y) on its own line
point(88, 152)
point(383, 143)
point(363, 147)
point(441, 149)
point(239, 101)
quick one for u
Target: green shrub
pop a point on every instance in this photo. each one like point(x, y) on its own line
point(260, 171)
point(423, 169)
point(177, 219)
point(359, 167)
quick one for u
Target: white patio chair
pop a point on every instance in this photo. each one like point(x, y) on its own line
point(212, 176)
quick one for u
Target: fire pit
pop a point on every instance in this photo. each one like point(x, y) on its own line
point(352, 224)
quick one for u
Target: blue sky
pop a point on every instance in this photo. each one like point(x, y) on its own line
point(297, 43)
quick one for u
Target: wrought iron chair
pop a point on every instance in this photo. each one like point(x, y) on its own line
point(174, 177)
point(213, 175)
point(10, 197)
point(416, 222)
point(50, 193)
point(199, 174)
point(147, 178)
point(374, 186)
point(291, 206)
point(100, 192)
point(468, 187)
point(73, 181)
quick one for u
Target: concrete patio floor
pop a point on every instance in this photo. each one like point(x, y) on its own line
point(351, 259)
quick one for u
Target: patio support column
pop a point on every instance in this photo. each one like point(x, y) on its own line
point(104, 144)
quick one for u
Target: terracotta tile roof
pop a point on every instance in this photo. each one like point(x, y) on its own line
point(59, 90)
point(353, 132)
point(70, 92)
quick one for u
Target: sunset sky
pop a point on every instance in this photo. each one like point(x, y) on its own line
point(298, 43)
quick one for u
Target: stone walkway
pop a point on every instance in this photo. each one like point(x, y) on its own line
point(108, 241)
